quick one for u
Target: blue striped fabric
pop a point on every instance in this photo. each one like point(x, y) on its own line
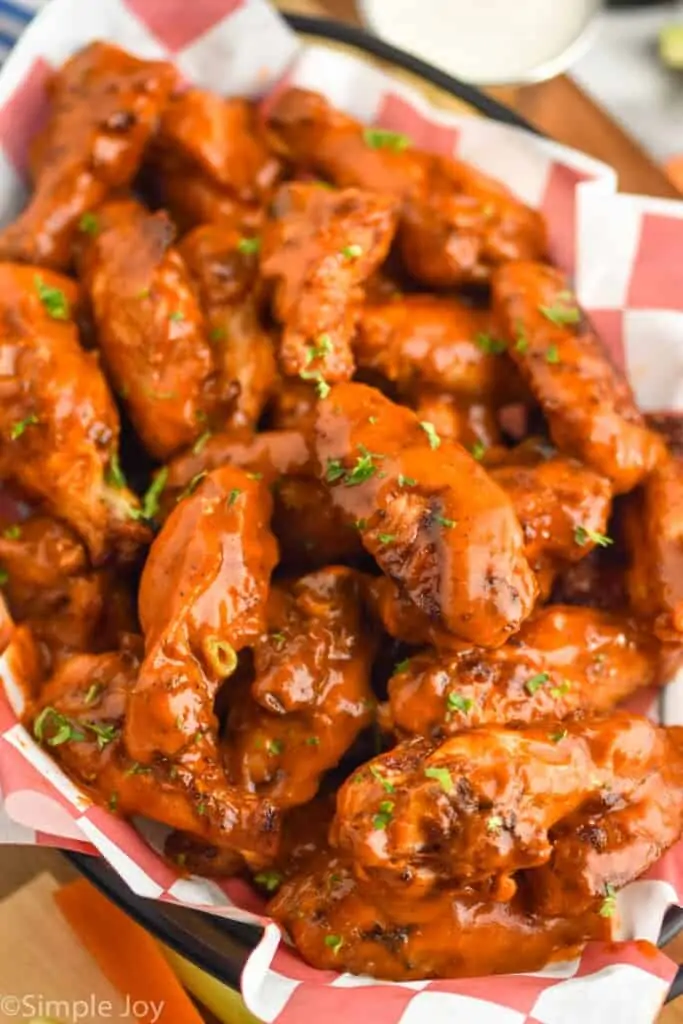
point(14, 17)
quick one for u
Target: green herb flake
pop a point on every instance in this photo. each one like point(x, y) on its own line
point(54, 300)
point(430, 431)
point(312, 741)
point(275, 746)
point(249, 246)
point(114, 475)
point(489, 345)
point(233, 496)
point(269, 880)
point(200, 443)
point(113, 802)
point(21, 426)
point(494, 824)
point(406, 481)
point(217, 334)
point(443, 521)
point(386, 538)
point(521, 340)
point(382, 138)
point(191, 487)
point(401, 666)
point(279, 639)
point(383, 816)
point(561, 690)
point(363, 469)
point(376, 773)
point(536, 682)
point(63, 731)
point(255, 476)
point(176, 316)
point(583, 535)
point(4, 577)
point(609, 903)
point(201, 808)
point(322, 388)
point(372, 420)
point(105, 734)
point(89, 224)
point(322, 348)
point(152, 496)
point(361, 524)
point(334, 942)
point(442, 776)
point(138, 769)
point(352, 252)
point(557, 737)
point(478, 450)
point(552, 355)
point(12, 532)
point(335, 470)
point(456, 702)
point(561, 315)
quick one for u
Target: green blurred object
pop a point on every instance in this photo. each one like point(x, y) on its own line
point(223, 1002)
point(671, 46)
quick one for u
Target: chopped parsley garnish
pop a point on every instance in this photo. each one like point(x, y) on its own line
point(372, 420)
point(361, 524)
point(583, 535)
point(176, 316)
point(138, 769)
point(561, 315)
point(269, 880)
point(401, 666)
point(406, 481)
point(443, 521)
point(200, 443)
point(275, 746)
point(383, 816)
point(217, 334)
point(376, 773)
point(63, 731)
point(456, 702)
point(12, 532)
point(255, 476)
point(535, 683)
point(4, 577)
point(334, 942)
point(150, 499)
point(233, 496)
point(114, 475)
point(335, 470)
point(386, 538)
point(560, 691)
point(322, 348)
point(494, 823)
point(557, 737)
point(113, 802)
point(430, 431)
point(552, 355)
point(312, 741)
point(278, 639)
point(521, 342)
point(609, 903)
point(54, 300)
point(352, 252)
point(383, 138)
point(191, 487)
point(105, 733)
point(201, 808)
point(442, 776)
point(21, 426)
point(221, 656)
point(363, 469)
point(89, 224)
point(144, 293)
point(249, 246)
point(322, 388)
point(478, 450)
point(489, 345)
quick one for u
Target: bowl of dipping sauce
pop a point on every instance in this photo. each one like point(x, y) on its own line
point(488, 42)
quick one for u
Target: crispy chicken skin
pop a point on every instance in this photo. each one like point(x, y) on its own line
point(211, 161)
point(150, 328)
point(319, 246)
point(311, 693)
point(483, 804)
point(339, 924)
point(653, 531)
point(81, 716)
point(563, 660)
point(59, 428)
point(456, 223)
point(50, 587)
point(427, 512)
point(104, 106)
point(225, 277)
point(203, 598)
point(588, 403)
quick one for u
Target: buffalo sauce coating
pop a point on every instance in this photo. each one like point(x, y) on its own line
point(150, 328)
point(456, 223)
point(606, 844)
point(81, 716)
point(563, 660)
point(482, 805)
point(225, 277)
point(104, 106)
point(653, 531)
point(473, 424)
point(427, 512)
point(202, 599)
point(311, 693)
point(588, 403)
point(562, 507)
point(210, 160)
point(319, 246)
point(59, 428)
point(51, 587)
point(340, 924)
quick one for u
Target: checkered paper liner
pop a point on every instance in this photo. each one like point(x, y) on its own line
point(625, 254)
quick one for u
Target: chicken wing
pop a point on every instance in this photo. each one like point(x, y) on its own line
point(653, 531)
point(474, 425)
point(482, 805)
point(588, 403)
point(456, 223)
point(293, 405)
point(224, 268)
point(104, 106)
point(311, 694)
point(427, 512)
point(81, 717)
point(339, 924)
point(151, 331)
point(563, 660)
point(59, 429)
point(319, 246)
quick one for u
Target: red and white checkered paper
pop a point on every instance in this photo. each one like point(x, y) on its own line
point(626, 256)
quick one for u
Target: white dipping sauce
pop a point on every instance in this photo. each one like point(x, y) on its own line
point(482, 40)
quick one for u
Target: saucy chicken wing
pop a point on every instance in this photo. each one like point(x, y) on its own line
point(427, 512)
point(474, 425)
point(59, 428)
point(311, 694)
point(563, 660)
point(456, 223)
point(104, 106)
point(150, 329)
point(482, 805)
point(319, 246)
point(588, 403)
point(224, 266)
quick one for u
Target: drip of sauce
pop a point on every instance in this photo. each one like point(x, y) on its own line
point(490, 41)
